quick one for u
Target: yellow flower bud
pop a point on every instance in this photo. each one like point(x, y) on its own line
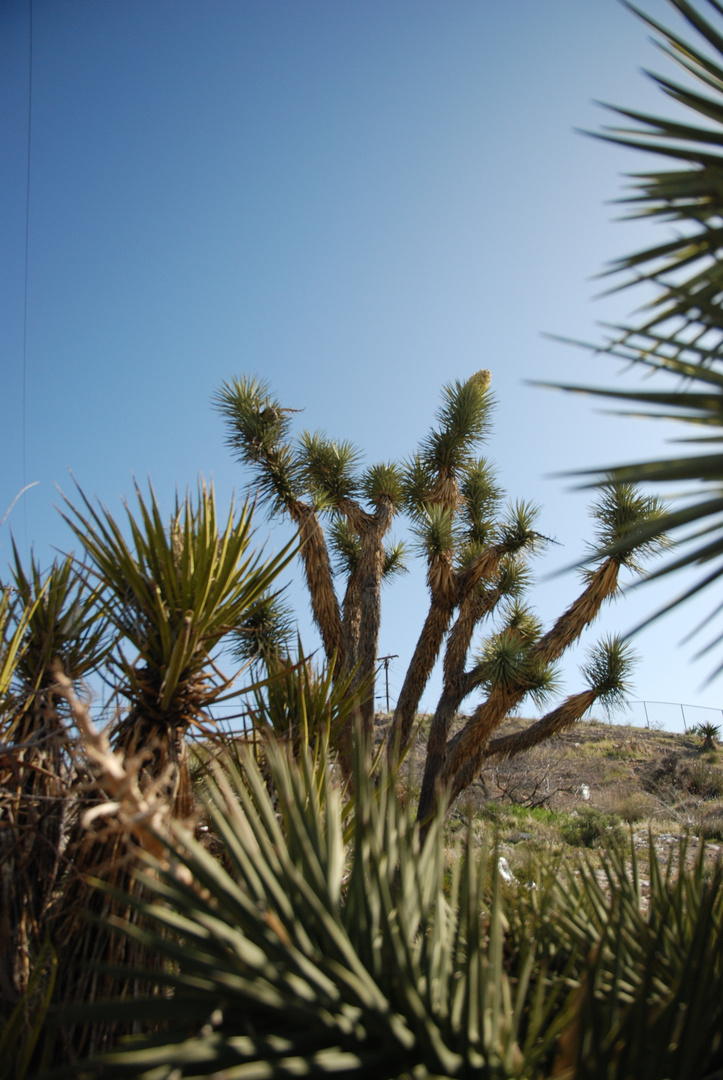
point(481, 380)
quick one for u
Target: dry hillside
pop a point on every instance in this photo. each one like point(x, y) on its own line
point(597, 779)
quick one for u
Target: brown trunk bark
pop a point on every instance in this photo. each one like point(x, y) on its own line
point(565, 716)
point(351, 621)
point(456, 687)
point(420, 668)
point(371, 564)
point(320, 582)
point(602, 584)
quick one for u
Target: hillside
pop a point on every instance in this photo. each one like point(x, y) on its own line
point(596, 779)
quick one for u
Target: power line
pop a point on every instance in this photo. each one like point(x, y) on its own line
point(27, 248)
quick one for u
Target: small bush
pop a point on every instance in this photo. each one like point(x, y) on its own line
point(700, 778)
point(689, 774)
point(633, 807)
point(588, 825)
point(711, 824)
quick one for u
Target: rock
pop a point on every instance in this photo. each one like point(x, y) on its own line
point(504, 870)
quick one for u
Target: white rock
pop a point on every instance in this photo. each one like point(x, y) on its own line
point(504, 868)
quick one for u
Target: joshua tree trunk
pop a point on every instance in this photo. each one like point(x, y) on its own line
point(320, 582)
point(457, 685)
point(452, 589)
point(563, 717)
point(371, 564)
point(425, 655)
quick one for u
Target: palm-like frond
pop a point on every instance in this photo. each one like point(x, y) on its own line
point(173, 589)
point(417, 485)
point(514, 578)
point(395, 555)
point(508, 663)
point(65, 627)
point(12, 635)
point(607, 671)
point(301, 956)
point(436, 533)
point(463, 421)
point(265, 630)
point(345, 546)
point(481, 498)
point(257, 429)
point(328, 468)
point(382, 481)
point(517, 530)
point(628, 524)
point(680, 333)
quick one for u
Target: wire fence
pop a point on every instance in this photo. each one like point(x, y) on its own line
point(667, 715)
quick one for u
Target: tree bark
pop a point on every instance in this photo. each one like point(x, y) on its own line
point(371, 565)
point(457, 686)
point(320, 582)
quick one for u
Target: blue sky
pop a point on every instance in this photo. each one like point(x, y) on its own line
point(357, 201)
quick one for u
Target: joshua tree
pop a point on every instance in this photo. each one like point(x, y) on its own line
point(476, 555)
point(517, 661)
point(304, 480)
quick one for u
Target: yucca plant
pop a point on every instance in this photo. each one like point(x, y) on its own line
point(60, 631)
point(296, 704)
point(300, 956)
point(709, 733)
point(649, 970)
point(172, 590)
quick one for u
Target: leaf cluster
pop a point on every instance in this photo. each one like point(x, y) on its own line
point(174, 589)
point(312, 957)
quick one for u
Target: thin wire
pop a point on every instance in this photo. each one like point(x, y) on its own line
point(27, 248)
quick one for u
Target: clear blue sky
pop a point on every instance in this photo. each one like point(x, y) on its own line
point(357, 201)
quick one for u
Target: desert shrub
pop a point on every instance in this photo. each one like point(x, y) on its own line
point(700, 778)
point(304, 956)
point(711, 824)
point(588, 825)
point(690, 775)
point(633, 806)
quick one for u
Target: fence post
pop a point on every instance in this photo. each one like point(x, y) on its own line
point(647, 721)
point(682, 710)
